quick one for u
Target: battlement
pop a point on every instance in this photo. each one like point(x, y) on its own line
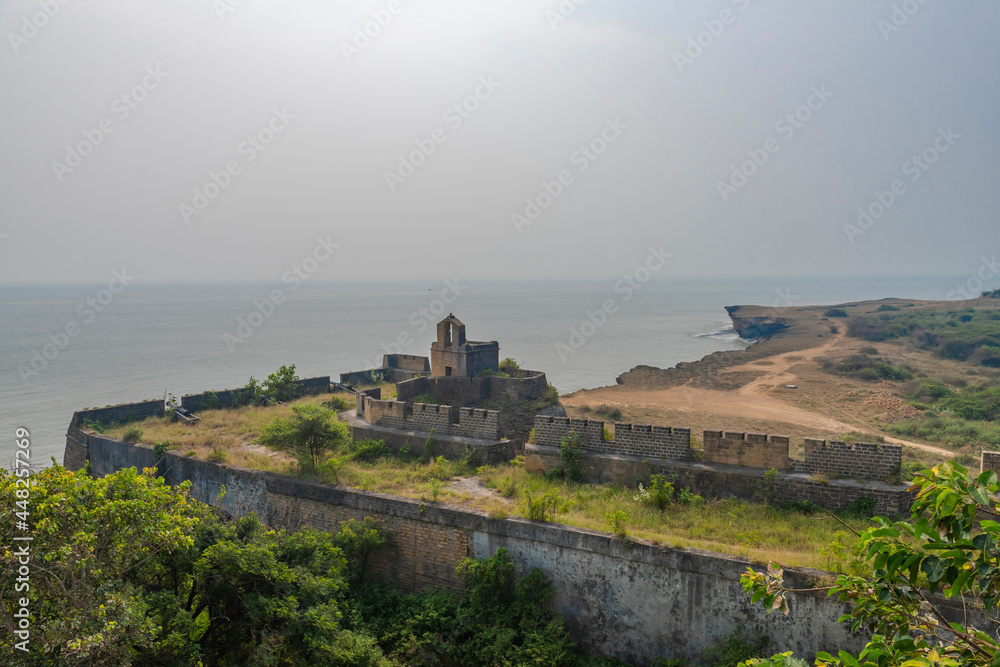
point(642, 440)
point(862, 459)
point(427, 417)
point(753, 450)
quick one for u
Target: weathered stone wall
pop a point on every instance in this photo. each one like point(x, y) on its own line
point(636, 601)
point(754, 450)
point(479, 423)
point(407, 362)
point(196, 402)
point(989, 461)
point(466, 391)
point(425, 417)
point(863, 460)
point(714, 480)
point(641, 440)
point(119, 414)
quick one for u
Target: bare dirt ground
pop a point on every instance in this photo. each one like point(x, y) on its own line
point(752, 396)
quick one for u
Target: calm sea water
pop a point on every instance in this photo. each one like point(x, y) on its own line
point(153, 339)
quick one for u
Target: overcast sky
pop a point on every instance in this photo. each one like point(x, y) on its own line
point(668, 97)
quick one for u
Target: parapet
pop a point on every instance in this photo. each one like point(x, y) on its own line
point(863, 460)
point(753, 450)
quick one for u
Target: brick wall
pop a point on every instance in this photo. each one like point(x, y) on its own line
point(635, 601)
point(436, 417)
point(120, 414)
point(989, 461)
point(472, 423)
point(479, 423)
point(862, 460)
point(753, 450)
point(407, 362)
point(630, 439)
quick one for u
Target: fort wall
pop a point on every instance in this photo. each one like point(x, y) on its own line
point(636, 601)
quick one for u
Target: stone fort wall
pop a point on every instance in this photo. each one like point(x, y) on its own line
point(460, 391)
point(635, 601)
point(752, 450)
point(442, 419)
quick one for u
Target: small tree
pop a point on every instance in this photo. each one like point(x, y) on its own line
point(280, 385)
point(571, 457)
point(308, 434)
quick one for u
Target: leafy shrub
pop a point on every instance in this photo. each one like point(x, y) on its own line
point(767, 486)
point(211, 401)
point(870, 350)
point(617, 522)
point(802, 506)
point(614, 414)
point(862, 508)
point(281, 384)
point(544, 508)
point(885, 307)
point(160, 450)
point(835, 312)
point(359, 540)
point(308, 434)
point(338, 404)
point(571, 456)
point(133, 434)
point(686, 496)
point(508, 365)
point(659, 493)
point(369, 451)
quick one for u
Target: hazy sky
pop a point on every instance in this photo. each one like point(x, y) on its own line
point(666, 96)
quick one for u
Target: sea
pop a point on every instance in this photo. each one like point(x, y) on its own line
point(68, 347)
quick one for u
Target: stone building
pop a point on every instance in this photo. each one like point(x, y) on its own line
point(454, 356)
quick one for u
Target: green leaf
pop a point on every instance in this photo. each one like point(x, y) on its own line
point(934, 568)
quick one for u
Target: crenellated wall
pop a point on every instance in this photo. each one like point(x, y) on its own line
point(753, 450)
point(641, 440)
point(426, 417)
point(637, 601)
point(863, 460)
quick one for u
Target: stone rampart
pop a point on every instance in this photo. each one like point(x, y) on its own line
point(862, 460)
point(635, 601)
point(629, 439)
point(753, 450)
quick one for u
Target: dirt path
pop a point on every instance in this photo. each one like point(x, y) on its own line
point(753, 401)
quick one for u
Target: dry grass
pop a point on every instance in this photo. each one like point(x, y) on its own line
point(224, 436)
point(735, 527)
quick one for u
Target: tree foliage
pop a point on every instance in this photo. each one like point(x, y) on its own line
point(949, 547)
point(308, 434)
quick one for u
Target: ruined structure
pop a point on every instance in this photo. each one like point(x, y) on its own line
point(454, 356)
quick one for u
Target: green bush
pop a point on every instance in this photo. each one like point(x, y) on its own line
point(338, 404)
point(132, 435)
point(369, 451)
point(281, 384)
point(571, 457)
point(835, 312)
point(735, 648)
point(659, 493)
